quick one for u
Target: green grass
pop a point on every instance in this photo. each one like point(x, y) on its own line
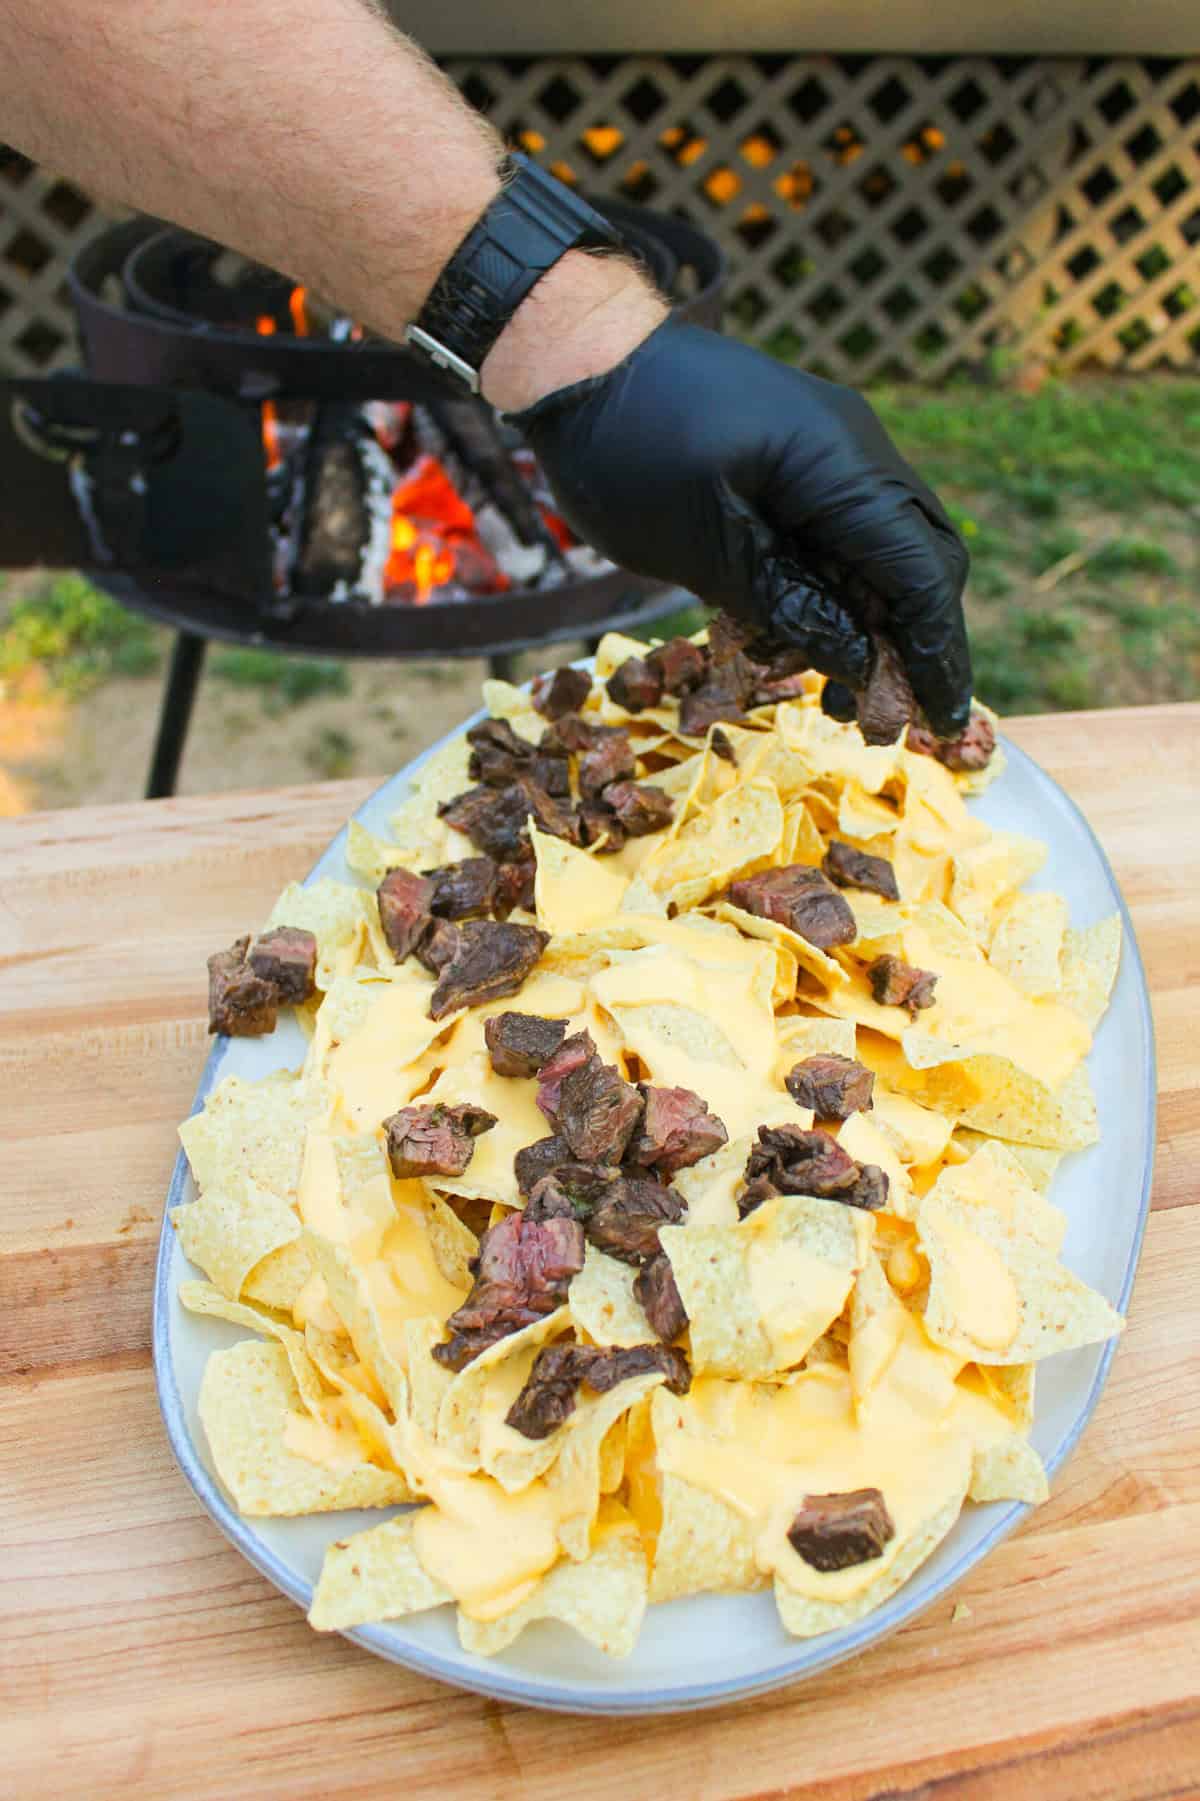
point(330, 753)
point(74, 636)
point(283, 681)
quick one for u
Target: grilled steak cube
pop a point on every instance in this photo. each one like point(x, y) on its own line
point(460, 889)
point(438, 947)
point(571, 733)
point(833, 1087)
point(625, 1221)
point(533, 1161)
point(895, 983)
point(720, 697)
point(495, 820)
point(681, 665)
point(612, 760)
point(800, 1162)
point(676, 1130)
point(560, 691)
point(603, 829)
point(240, 1003)
point(758, 1189)
point(522, 1273)
point(972, 749)
point(498, 755)
point(573, 1189)
point(514, 886)
point(597, 1112)
point(287, 958)
point(490, 962)
point(851, 868)
point(552, 1386)
point(552, 815)
point(551, 774)
point(870, 1191)
point(654, 1286)
point(801, 898)
point(434, 1140)
point(404, 901)
point(612, 1364)
point(519, 1043)
point(833, 1532)
point(887, 703)
point(636, 684)
point(571, 1055)
point(640, 808)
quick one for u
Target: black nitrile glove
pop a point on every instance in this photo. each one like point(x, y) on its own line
point(768, 492)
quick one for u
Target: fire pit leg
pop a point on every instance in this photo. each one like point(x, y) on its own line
point(175, 714)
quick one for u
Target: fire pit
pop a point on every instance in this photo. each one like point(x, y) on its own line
point(342, 500)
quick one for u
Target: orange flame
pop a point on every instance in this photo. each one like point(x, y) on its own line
point(299, 311)
point(264, 325)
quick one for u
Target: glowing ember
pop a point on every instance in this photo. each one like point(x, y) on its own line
point(434, 540)
point(298, 310)
point(264, 325)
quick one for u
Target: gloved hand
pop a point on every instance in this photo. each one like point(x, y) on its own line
point(770, 493)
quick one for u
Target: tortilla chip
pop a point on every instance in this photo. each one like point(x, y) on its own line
point(375, 1575)
point(603, 1598)
point(351, 1300)
point(246, 1397)
point(985, 875)
point(918, 1135)
point(204, 1298)
point(337, 916)
point(471, 1417)
point(802, 1036)
point(703, 1545)
point(371, 857)
point(279, 1279)
point(575, 1476)
point(489, 1175)
point(603, 1303)
point(866, 1143)
point(735, 836)
point(1039, 1165)
point(809, 956)
point(833, 749)
point(1028, 940)
point(1008, 1471)
point(255, 1130)
point(1008, 1103)
point(572, 890)
point(993, 1177)
point(1090, 960)
point(227, 1233)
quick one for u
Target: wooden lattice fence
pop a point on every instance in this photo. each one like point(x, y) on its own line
point(883, 216)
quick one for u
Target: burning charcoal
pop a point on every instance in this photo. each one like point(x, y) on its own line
point(533, 1161)
point(972, 749)
point(571, 1055)
point(637, 684)
point(640, 807)
point(611, 761)
point(404, 899)
point(552, 1386)
point(240, 1003)
point(800, 1162)
point(498, 756)
point(560, 691)
point(833, 1087)
point(287, 958)
point(434, 1140)
point(757, 1190)
point(677, 1129)
point(597, 1112)
point(721, 747)
point(572, 1189)
point(895, 983)
point(519, 1043)
point(438, 947)
point(522, 1272)
point(851, 868)
point(887, 703)
point(681, 665)
point(654, 1285)
point(870, 1192)
point(551, 774)
point(801, 898)
point(602, 829)
point(460, 889)
point(514, 887)
point(491, 962)
point(833, 1532)
point(625, 1220)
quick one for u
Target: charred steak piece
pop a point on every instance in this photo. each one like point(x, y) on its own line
point(533, 1161)
point(490, 962)
point(495, 822)
point(612, 760)
point(287, 958)
point(676, 1130)
point(519, 1043)
point(404, 905)
point(241, 1004)
point(654, 1286)
point(801, 898)
point(552, 815)
point(832, 1532)
point(434, 1140)
point(597, 1112)
point(680, 664)
point(895, 983)
point(640, 807)
point(870, 1192)
point(572, 1190)
point(721, 747)
point(636, 684)
point(851, 868)
point(560, 691)
point(800, 1162)
point(972, 749)
point(514, 887)
point(887, 703)
point(552, 774)
point(572, 733)
point(757, 1190)
point(460, 889)
point(498, 755)
point(602, 828)
point(438, 947)
point(552, 1386)
point(522, 1272)
point(728, 686)
point(571, 1055)
point(833, 1087)
point(625, 1221)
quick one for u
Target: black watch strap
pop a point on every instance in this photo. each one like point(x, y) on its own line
point(531, 223)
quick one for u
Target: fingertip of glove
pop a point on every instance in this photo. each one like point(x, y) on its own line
point(837, 702)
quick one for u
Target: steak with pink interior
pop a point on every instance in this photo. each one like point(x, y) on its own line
point(522, 1272)
point(801, 898)
point(434, 1140)
point(640, 808)
point(598, 1112)
point(625, 1221)
point(287, 958)
point(676, 1130)
point(851, 868)
point(240, 1003)
point(571, 1055)
point(680, 664)
point(490, 962)
point(404, 909)
point(560, 691)
point(833, 1087)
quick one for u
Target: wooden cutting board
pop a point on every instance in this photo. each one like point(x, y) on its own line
point(140, 1656)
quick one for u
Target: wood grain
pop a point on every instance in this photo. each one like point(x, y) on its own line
point(140, 1655)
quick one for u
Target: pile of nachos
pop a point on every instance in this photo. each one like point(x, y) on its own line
point(662, 1205)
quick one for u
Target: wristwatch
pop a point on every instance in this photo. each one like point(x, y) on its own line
point(531, 223)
